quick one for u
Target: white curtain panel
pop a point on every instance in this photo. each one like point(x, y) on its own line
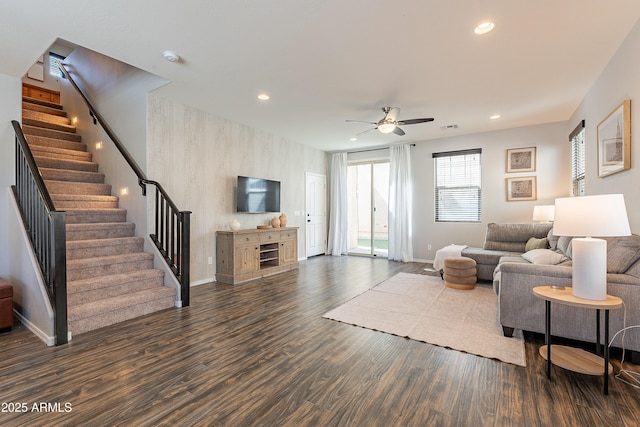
point(400, 203)
point(337, 243)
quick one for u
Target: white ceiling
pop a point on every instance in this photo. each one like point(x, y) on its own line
point(325, 61)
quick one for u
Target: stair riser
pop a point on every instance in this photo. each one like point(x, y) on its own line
point(44, 117)
point(60, 187)
point(91, 233)
point(50, 133)
point(89, 272)
point(48, 125)
point(53, 163)
point(84, 253)
point(120, 315)
point(98, 217)
point(71, 176)
point(44, 141)
point(43, 109)
point(60, 154)
point(79, 296)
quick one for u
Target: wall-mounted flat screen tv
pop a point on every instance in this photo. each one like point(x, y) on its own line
point(257, 195)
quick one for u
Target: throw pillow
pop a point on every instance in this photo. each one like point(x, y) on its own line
point(544, 256)
point(534, 243)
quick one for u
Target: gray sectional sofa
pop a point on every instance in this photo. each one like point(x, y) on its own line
point(503, 240)
point(502, 260)
point(520, 309)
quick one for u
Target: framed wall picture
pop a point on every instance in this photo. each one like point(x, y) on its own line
point(521, 159)
point(521, 188)
point(614, 141)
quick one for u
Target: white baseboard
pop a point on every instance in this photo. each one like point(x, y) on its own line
point(50, 341)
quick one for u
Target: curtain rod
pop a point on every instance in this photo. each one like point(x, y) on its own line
point(375, 149)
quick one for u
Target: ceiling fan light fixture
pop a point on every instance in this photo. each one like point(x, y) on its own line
point(386, 127)
point(484, 28)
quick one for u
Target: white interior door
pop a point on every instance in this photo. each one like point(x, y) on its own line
point(316, 215)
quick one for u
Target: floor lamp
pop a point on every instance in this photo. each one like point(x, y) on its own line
point(583, 218)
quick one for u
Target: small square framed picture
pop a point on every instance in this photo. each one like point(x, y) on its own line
point(521, 159)
point(521, 188)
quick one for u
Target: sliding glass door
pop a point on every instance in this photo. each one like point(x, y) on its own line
point(368, 193)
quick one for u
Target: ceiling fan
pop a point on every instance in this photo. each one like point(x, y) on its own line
point(390, 123)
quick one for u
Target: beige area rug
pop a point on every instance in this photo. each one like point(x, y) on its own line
point(421, 308)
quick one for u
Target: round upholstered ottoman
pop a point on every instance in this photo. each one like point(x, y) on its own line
point(459, 273)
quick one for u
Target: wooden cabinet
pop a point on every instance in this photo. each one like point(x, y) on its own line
point(244, 255)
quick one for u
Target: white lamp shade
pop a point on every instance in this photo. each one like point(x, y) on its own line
point(543, 213)
point(581, 218)
point(595, 216)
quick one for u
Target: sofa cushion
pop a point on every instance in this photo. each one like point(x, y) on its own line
point(535, 243)
point(544, 256)
point(512, 237)
point(564, 245)
point(553, 240)
point(622, 253)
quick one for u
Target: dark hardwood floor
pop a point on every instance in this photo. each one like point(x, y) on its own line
point(260, 353)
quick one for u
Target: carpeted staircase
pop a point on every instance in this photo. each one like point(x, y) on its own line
point(109, 277)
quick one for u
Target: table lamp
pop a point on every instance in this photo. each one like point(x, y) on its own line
point(543, 213)
point(583, 218)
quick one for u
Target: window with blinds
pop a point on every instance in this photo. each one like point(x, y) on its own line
point(458, 189)
point(577, 160)
point(53, 65)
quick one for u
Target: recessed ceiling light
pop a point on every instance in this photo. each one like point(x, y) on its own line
point(263, 97)
point(353, 139)
point(484, 28)
point(495, 117)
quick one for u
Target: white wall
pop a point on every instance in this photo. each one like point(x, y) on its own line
point(10, 109)
point(553, 178)
point(620, 80)
point(198, 156)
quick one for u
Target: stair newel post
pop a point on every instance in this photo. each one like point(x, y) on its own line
point(59, 274)
point(185, 276)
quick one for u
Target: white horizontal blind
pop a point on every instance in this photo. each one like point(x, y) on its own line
point(577, 160)
point(54, 70)
point(458, 189)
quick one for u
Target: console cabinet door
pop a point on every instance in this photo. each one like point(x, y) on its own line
point(247, 258)
point(288, 251)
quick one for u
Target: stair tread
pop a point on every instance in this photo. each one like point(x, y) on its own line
point(50, 152)
point(82, 197)
point(41, 102)
point(106, 225)
point(108, 259)
point(50, 133)
point(64, 164)
point(70, 175)
point(60, 144)
point(103, 281)
point(43, 109)
point(91, 309)
point(104, 242)
point(44, 124)
point(45, 117)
